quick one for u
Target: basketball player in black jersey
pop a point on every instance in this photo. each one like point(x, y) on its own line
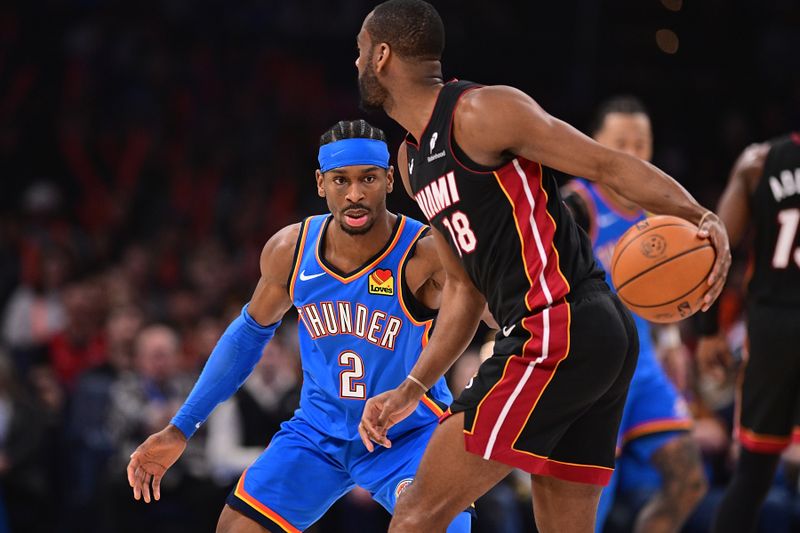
point(480, 161)
point(763, 192)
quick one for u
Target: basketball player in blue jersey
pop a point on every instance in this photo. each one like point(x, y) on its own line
point(657, 454)
point(481, 162)
point(364, 282)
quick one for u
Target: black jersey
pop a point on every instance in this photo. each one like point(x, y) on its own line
point(776, 214)
point(516, 239)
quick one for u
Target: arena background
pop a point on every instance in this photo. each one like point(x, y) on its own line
point(149, 149)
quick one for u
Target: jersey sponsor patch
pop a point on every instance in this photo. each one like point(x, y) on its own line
point(381, 282)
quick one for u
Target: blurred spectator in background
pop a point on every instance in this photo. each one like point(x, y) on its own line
point(143, 401)
point(25, 488)
point(88, 435)
point(35, 312)
point(81, 344)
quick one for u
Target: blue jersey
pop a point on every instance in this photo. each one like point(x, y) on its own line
point(606, 227)
point(360, 332)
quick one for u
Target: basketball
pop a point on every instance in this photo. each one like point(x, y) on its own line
point(660, 268)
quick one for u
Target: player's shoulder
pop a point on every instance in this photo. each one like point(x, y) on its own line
point(489, 97)
point(284, 239)
point(278, 253)
point(425, 249)
point(425, 245)
point(492, 119)
point(756, 153)
point(750, 164)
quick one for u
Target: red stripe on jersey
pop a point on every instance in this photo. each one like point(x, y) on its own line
point(521, 181)
point(510, 403)
point(550, 332)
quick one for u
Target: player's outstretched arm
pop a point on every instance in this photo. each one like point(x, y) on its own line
point(229, 364)
point(496, 120)
point(456, 324)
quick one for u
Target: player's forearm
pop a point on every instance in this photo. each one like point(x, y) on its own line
point(652, 189)
point(462, 307)
point(231, 361)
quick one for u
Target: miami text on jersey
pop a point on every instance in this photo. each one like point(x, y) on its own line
point(438, 195)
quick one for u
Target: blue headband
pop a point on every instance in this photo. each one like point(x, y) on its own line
point(348, 152)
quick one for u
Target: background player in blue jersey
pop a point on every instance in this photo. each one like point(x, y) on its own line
point(657, 455)
point(364, 282)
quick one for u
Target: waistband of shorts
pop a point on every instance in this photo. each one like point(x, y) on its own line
point(586, 288)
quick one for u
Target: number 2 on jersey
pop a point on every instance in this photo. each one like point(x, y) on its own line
point(463, 237)
point(788, 219)
point(349, 388)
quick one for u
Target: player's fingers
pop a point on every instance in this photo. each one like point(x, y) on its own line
point(719, 270)
point(157, 486)
point(132, 465)
point(370, 430)
point(146, 488)
point(719, 274)
point(365, 438)
point(719, 255)
point(710, 296)
point(137, 483)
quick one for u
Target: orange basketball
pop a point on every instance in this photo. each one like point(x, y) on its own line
point(660, 268)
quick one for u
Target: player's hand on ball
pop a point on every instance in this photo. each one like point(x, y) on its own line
point(383, 411)
point(152, 459)
point(711, 226)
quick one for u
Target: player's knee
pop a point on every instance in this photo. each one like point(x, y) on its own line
point(415, 513)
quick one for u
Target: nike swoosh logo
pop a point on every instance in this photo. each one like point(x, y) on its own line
point(507, 331)
point(303, 276)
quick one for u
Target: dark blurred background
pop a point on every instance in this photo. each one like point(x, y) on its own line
point(149, 149)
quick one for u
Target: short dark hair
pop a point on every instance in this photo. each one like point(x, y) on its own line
point(626, 104)
point(352, 129)
point(412, 28)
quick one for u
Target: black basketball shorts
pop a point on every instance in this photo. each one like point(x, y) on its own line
point(550, 399)
point(769, 400)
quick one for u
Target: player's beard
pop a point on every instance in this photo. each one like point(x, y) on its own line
point(372, 93)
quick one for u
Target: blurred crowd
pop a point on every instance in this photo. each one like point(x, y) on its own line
point(146, 154)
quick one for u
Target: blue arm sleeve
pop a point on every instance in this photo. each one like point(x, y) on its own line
point(231, 361)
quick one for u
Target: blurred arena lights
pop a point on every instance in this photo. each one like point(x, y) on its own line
point(672, 5)
point(667, 41)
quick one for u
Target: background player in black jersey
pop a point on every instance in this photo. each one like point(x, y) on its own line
point(763, 193)
point(550, 398)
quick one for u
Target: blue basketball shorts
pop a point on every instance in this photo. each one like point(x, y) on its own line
point(304, 471)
